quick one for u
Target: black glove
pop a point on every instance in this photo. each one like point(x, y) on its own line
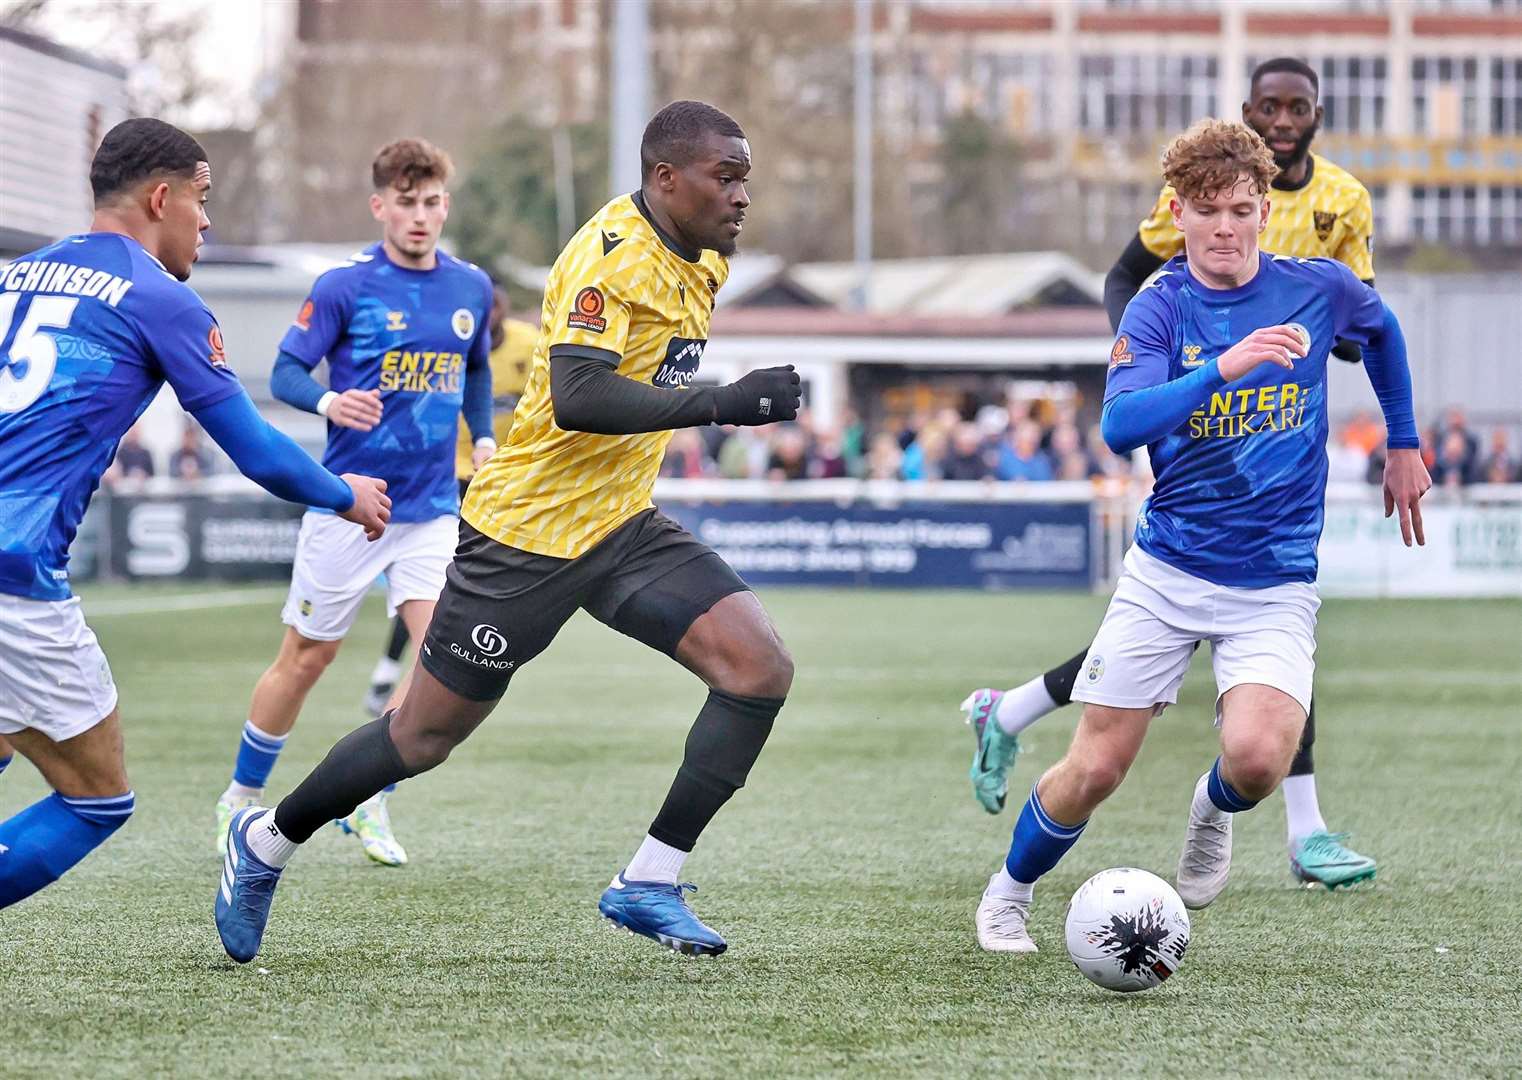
point(759, 397)
point(1347, 350)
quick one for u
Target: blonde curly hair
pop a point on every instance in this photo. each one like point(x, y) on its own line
point(1213, 155)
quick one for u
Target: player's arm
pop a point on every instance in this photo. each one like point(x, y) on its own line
point(588, 394)
point(272, 460)
point(1136, 264)
point(476, 408)
point(318, 325)
point(1142, 404)
point(1365, 318)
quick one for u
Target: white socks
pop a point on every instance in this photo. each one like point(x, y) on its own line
point(1302, 812)
point(1007, 888)
point(1023, 706)
point(655, 861)
point(236, 790)
point(386, 672)
point(267, 843)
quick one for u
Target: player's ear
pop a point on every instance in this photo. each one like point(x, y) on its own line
point(1263, 215)
point(664, 176)
point(1176, 208)
point(1319, 111)
point(444, 203)
point(377, 206)
point(158, 197)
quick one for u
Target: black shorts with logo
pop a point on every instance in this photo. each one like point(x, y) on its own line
point(502, 606)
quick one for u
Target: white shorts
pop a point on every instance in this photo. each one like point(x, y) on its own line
point(1158, 614)
point(335, 566)
point(53, 676)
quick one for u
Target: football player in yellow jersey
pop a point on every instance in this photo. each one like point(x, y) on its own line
point(561, 518)
point(512, 357)
point(1315, 209)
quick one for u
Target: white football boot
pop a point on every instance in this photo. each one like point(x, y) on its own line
point(1206, 858)
point(1001, 923)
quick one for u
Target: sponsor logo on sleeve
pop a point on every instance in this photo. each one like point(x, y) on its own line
point(680, 365)
point(1121, 353)
point(218, 355)
point(463, 323)
point(304, 316)
point(586, 312)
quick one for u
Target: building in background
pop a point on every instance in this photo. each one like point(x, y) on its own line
point(56, 104)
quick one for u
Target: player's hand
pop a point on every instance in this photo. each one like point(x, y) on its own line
point(1406, 481)
point(1270, 345)
point(480, 456)
point(760, 397)
point(372, 506)
point(357, 409)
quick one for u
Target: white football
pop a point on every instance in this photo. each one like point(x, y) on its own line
point(1127, 929)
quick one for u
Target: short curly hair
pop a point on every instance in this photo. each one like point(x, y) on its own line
point(408, 162)
point(1213, 155)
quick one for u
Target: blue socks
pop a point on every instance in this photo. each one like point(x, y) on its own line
point(1223, 795)
point(1039, 842)
point(257, 754)
point(48, 837)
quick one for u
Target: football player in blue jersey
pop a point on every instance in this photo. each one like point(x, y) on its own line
point(90, 328)
point(405, 329)
point(1219, 369)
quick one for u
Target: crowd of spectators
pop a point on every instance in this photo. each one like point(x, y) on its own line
point(1015, 441)
point(1455, 454)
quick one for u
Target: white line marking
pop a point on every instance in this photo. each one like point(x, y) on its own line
point(183, 602)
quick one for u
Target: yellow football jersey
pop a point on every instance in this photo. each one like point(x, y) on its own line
point(1329, 216)
point(511, 362)
point(618, 288)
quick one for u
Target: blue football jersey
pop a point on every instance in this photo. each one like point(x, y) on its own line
point(90, 328)
point(408, 334)
point(1238, 496)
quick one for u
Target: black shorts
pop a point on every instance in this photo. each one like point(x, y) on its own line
point(502, 606)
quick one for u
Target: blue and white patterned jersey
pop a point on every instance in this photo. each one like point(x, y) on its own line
point(1239, 490)
point(407, 333)
point(90, 328)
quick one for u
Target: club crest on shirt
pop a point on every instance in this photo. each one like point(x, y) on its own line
point(1304, 335)
point(396, 320)
point(1325, 219)
point(1192, 356)
point(1121, 353)
point(304, 316)
point(463, 323)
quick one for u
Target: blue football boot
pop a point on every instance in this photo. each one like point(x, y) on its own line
point(248, 887)
point(659, 911)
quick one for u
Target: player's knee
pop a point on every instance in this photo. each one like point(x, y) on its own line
point(1098, 776)
point(424, 745)
point(1255, 771)
point(767, 672)
point(309, 659)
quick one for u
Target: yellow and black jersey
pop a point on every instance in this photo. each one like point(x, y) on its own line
point(1328, 216)
point(511, 362)
point(619, 289)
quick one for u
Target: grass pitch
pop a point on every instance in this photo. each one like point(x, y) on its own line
point(844, 876)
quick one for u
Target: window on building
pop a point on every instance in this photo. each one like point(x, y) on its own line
point(1145, 95)
point(1468, 215)
point(1505, 93)
point(1446, 96)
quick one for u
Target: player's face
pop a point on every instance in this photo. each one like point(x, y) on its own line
point(412, 220)
point(180, 205)
point(708, 198)
point(1283, 110)
point(1221, 233)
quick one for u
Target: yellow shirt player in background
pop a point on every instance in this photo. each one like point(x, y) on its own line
point(512, 357)
point(1315, 210)
point(561, 518)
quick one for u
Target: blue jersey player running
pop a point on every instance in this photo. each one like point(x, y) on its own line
point(405, 330)
point(90, 328)
point(1219, 369)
